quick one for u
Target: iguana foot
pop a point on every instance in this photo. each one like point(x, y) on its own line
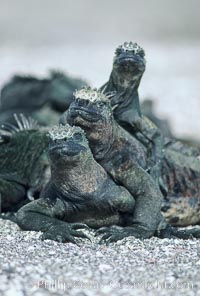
point(172, 232)
point(115, 233)
point(65, 232)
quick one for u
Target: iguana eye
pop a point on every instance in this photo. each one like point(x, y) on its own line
point(100, 104)
point(118, 51)
point(78, 137)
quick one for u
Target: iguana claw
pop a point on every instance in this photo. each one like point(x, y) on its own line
point(65, 232)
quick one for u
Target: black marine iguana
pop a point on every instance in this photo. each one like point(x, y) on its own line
point(43, 99)
point(22, 164)
point(79, 190)
point(128, 67)
point(120, 154)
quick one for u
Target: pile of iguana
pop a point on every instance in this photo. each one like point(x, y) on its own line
point(92, 197)
point(118, 183)
point(71, 198)
point(119, 153)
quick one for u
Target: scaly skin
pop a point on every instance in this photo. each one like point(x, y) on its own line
point(72, 198)
point(128, 67)
point(116, 149)
point(43, 99)
point(148, 109)
point(21, 162)
point(80, 191)
point(181, 174)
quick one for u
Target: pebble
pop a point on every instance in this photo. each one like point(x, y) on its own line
point(30, 266)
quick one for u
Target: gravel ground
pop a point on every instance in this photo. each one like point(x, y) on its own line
point(30, 266)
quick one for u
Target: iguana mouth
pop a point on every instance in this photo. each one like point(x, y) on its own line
point(69, 149)
point(128, 58)
point(85, 114)
point(129, 64)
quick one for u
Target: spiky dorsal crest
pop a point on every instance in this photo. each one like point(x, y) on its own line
point(22, 123)
point(132, 47)
point(24, 78)
point(25, 123)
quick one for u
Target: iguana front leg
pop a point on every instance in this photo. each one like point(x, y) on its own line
point(153, 140)
point(115, 233)
point(127, 113)
point(46, 215)
point(151, 137)
point(147, 210)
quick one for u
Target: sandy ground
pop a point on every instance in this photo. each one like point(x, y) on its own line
point(30, 266)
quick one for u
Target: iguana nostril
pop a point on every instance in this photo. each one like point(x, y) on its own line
point(82, 102)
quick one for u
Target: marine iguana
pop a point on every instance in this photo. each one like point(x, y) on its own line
point(22, 164)
point(128, 67)
point(43, 99)
point(119, 153)
point(79, 191)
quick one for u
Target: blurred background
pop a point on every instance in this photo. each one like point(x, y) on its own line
point(80, 36)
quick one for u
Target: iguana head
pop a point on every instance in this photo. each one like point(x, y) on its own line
point(129, 62)
point(91, 110)
point(73, 167)
point(67, 144)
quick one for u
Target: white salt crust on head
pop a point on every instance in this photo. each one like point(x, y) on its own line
point(89, 94)
point(132, 47)
point(64, 131)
